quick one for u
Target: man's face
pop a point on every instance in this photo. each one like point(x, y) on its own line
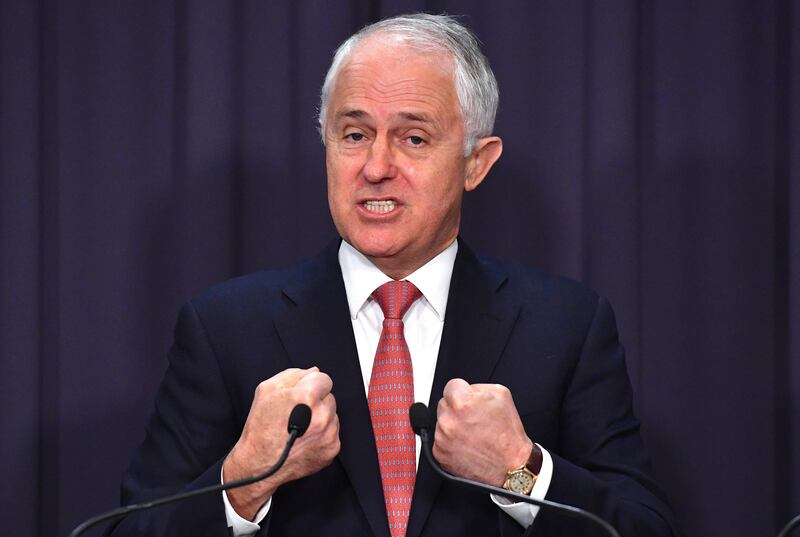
point(394, 149)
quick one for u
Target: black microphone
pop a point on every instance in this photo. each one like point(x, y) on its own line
point(299, 419)
point(422, 424)
point(793, 523)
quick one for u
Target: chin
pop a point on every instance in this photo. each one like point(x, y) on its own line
point(375, 251)
point(378, 247)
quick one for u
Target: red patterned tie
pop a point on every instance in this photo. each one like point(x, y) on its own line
point(391, 392)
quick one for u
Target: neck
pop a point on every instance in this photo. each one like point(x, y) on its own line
point(396, 269)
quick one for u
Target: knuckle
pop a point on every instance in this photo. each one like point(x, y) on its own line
point(330, 402)
point(303, 395)
point(458, 404)
point(287, 377)
point(440, 453)
point(443, 427)
point(324, 414)
point(453, 383)
point(502, 391)
point(331, 449)
point(333, 432)
point(262, 387)
point(291, 371)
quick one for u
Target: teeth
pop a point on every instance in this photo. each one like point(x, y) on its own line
point(383, 206)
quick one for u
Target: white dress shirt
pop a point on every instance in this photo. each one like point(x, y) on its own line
point(423, 323)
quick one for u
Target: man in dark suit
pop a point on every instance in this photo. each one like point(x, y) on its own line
point(525, 370)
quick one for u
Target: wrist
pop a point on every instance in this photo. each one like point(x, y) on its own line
point(521, 477)
point(247, 500)
point(522, 455)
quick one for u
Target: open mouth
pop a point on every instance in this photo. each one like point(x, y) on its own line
point(379, 206)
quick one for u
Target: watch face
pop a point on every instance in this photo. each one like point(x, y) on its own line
point(520, 482)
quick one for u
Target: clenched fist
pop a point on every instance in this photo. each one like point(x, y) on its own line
point(479, 434)
point(264, 436)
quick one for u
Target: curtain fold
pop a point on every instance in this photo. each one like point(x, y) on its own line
point(20, 267)
point(789, 153)
point(651, 150)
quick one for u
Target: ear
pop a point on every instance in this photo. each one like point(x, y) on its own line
point(480, 161)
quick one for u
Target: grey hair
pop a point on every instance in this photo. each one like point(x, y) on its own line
point(475, 84)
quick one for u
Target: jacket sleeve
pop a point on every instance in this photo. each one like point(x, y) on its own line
point(600, 463)
point(190, 432)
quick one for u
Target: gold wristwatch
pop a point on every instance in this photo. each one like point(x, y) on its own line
point(522, 479)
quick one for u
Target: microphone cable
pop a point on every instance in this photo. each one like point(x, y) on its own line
point(421, 424)
point(299, 419)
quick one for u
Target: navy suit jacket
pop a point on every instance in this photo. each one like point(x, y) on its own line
point(552, 342)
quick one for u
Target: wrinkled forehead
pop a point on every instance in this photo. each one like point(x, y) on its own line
point(386, 69)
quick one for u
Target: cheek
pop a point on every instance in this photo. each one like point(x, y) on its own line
point(337, 181)
point(342, 171)
point(453, 186)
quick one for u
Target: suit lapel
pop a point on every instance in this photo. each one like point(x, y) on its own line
point(318, 331)
point(477, 325)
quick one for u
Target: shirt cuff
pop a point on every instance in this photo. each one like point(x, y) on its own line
point(242, 527)
point(522, 512)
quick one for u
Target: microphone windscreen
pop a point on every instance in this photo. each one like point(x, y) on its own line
point(299, 419)
point(420, 417)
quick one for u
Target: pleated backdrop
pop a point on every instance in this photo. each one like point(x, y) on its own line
point(652, 151)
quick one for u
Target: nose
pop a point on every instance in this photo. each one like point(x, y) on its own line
point(380, 161)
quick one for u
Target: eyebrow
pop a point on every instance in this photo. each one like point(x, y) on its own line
point(355, 114)
point(361, 114)
point(410, 116)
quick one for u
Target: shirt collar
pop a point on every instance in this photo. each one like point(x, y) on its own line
point(361, 278)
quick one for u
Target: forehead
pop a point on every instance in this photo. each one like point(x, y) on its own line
point(395, 76)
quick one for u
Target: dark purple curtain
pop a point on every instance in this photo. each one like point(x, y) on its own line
point(149, 149)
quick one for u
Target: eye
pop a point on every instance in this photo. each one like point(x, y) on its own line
point(416, 140)
point(355, 136)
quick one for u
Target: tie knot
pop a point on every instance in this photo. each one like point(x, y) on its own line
point(395, 298)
